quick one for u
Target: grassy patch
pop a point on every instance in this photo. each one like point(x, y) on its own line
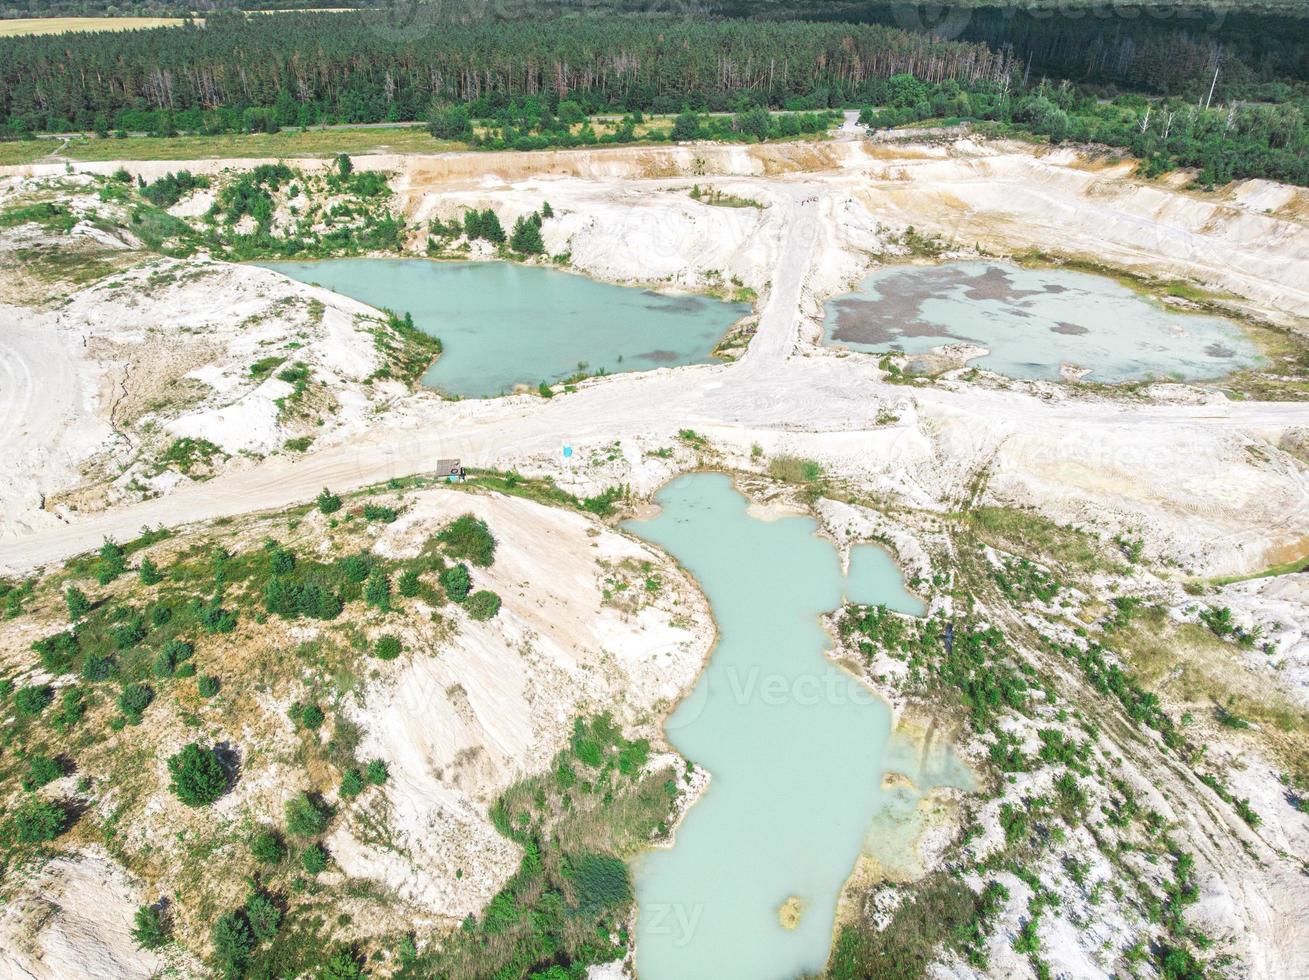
point(795, 469)
point(1027, 533)
point(287, 143)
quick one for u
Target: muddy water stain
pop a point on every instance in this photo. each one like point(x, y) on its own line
point(1035, 320)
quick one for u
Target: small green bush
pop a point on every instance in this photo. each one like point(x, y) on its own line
point(328, 502)
point(150, 574)
point(41, 770)
point(267, 846)
point(150, 927)
point(263, 916)
point(207, 685)
point(457, 582)
point(37, 821)
point(387, 648)
point(314, 859)
point(483, 604)
point(352, 784)
point(78, 604)
point(305, 817)
point(308, 716)
point(376, 772)
point(380, 514)
point(469, 537)
point(133, 700)
point(232, 943)
point(409, 583)
point(198, 777)
point(30, 701)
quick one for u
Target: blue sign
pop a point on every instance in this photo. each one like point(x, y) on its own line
point(568, 451)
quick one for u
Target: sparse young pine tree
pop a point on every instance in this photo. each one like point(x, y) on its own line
point(263, 916)
point(526, 238)
point(352, 784)
point(328, 502)
point(150, 928)
point(378, 590)
point(78, 604)
point(456, 582)
point(232, 943)
point(409, 583)
point(267, 846)
point(314, 859)
point(37, 821)
point(304, 817)
point(112, 561)
point(197, 774)
point(150, 574)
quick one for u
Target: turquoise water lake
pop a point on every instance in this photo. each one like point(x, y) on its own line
point(503, 325)
point(795, 746)
point(1032, 320)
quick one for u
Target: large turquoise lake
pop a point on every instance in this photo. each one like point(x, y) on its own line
point(796, 747)
point(1033, 321)
point(503, 325)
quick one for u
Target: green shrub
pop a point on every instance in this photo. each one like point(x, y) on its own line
point(483, 604)
point(97, 667)
point(263, 916)
point(377, 592)
point(129, 634)
point(308, 716)
point(352, 784)
point(387, 648)
point(281, 561)
point(41, 769)
point(314, 859)
point(232, 943)
point(456, 582)
point(78, 604)
point(150, 574)
point(267, 847)
point(304, 816)
point(793, 469)
point(37, 821)
point(378, 513)
point(71, 709)
point(57, 651)
point(207, 685)
point(328, 502)
point(150, 927)
point(198, 777)
point(409, 583)
point(376, 772)
point(133, 700)
point(30, 701)
point(469, 537)
point(356, 567)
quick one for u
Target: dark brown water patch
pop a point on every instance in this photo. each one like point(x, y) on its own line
point(659, 356)
point(1218, 350)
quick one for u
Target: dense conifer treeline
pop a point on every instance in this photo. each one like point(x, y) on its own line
point(359, 67)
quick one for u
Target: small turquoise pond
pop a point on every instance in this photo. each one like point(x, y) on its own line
point(795, 746)
point(1034, 320)
point(503, 325)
